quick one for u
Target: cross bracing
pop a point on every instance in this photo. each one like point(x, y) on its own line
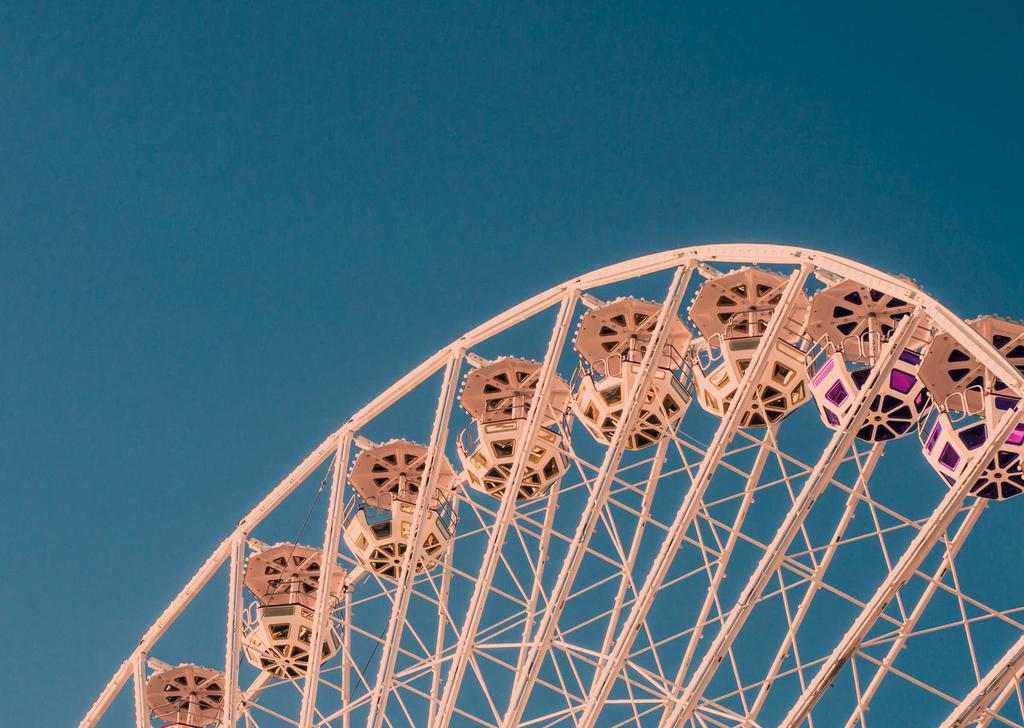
point(728, 574)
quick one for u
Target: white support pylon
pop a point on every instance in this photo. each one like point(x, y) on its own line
point(396, 623)
point(611, 666)
point(814, 485)
point(328, 559)
point(1002, 673)
point(506, 511)
point(526, 677)
point(902, 571)
point(139, 684)
point(233, 639)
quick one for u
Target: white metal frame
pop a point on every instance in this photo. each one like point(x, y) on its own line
point(607, 667)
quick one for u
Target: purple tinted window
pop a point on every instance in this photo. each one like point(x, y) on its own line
point(832, 419)
point(901, 381)
point(820, 376)
point(910, 357)
point(1005, 403)
point(836, 394)
point(974, 436)
point(932, 437)
point(860, 376)
point(949, 457)
point(1017, 436)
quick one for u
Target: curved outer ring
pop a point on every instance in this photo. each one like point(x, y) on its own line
point(748, 253)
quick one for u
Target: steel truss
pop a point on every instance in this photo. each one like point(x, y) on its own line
point(552, 611)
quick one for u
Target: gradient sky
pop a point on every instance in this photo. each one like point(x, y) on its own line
point(224, 228)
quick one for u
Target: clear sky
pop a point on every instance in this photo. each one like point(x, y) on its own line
point(224, 227)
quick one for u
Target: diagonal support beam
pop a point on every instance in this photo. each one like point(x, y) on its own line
point(711, 598)
point(610, 667)
point(816, 482)
point(233, 640)
point(992, 711)
point(626, 580)
point(328, 559)
point(506, 511)
point(958, 540)
point(1003, 673)
point(443, 618)
point(852, 501)
point(403, 591)
point(541, 642)
point(902, 571)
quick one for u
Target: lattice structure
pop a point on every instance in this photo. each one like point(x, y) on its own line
point(751, 564)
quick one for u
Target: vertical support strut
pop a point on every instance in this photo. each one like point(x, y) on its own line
point(442, 623)
point(610, 666)
point(396, 623)
point(328, 559)
point(346, 657)
point(815, 484)
point(541, 642)
point(1002, 673)
point(233, 641)
point(139, 683)
point(506, 511)
point(902, 571)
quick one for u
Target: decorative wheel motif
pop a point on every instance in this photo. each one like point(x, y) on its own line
point(857, 319)
point(187, 695)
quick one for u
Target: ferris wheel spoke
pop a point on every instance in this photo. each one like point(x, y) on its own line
point(321, 609)
point(505, 513)
point(904, 568)
point(815, 483)
point(963, 614)
point(397, 621)
point(444, 619)
point(139, 684)
point(906, 630)
point(711, 597)
point(728, 425)
point(522, 685)
point(991, 712)
point(1005, 672)
point(536, 591)
point(865, 472)
point(641, 522)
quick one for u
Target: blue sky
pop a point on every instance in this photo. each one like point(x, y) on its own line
point(223, 228)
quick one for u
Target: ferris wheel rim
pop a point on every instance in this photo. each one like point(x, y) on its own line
point(741, 253)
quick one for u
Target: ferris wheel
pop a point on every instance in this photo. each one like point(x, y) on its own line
point(654, 495)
